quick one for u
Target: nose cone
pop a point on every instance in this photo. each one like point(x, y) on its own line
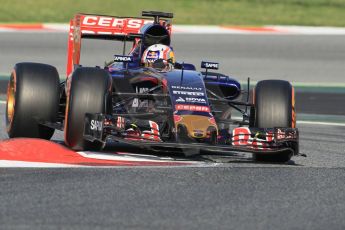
point(197, 126)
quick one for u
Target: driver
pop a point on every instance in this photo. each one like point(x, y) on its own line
point(159, 57)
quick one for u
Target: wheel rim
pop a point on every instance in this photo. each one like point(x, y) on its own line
point(10, 99)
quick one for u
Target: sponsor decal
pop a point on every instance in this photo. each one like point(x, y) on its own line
point(121, 122)
point(152, 56)
point(186, 88)
point(280, 134)
point(113, 22)
point(196, 108)
point(198, 100)
point(176, 92)
point(209, 65)
point(285, 134)
point(121, 58)
point(153, 134)
point(142, 90)
point(96, 125)
point(180, 99)
point(243, 136)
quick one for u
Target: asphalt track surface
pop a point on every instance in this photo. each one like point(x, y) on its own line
point(227, 193)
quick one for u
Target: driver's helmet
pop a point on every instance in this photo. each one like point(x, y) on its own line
point(158, 53)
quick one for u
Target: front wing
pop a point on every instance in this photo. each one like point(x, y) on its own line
point(242, 139)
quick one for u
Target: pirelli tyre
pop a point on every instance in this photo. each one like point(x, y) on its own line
point(274, 102)
point(88, 91)
point(33, 96)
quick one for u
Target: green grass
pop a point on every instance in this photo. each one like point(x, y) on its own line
point(218, 12)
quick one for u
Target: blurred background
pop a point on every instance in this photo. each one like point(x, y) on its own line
point(207, 12)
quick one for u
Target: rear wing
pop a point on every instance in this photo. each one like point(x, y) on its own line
point(106, 27)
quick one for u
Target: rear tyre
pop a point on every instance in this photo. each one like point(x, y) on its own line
point(33, 96)
point(89, 91)
point(274, 107)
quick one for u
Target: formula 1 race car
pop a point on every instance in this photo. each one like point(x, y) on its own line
point(164, 106)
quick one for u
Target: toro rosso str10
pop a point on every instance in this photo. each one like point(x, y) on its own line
point(164, 106)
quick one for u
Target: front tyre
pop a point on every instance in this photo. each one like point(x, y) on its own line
point(274, 102)
point(33, 95)
point(88, 91)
